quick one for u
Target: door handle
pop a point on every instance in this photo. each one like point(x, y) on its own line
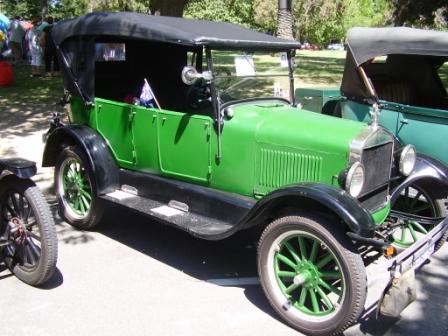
point(404, 121)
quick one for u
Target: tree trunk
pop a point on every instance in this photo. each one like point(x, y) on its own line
point(43, 9)
point(285, 19)
point(168, 7)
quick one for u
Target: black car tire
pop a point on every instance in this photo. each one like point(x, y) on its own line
point(353, 296)
point(92, 217)
point(44, 249)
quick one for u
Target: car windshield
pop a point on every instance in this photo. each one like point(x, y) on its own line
point(242, 75)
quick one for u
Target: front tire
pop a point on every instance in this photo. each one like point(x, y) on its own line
point(28, 225)
point(76, 190)
point(417, 200)
point(311, 275)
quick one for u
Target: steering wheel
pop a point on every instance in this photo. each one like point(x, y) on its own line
point(198, 96)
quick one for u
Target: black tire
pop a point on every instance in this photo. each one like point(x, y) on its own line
point(85, 220)
point(352, 282)
point(33, 249)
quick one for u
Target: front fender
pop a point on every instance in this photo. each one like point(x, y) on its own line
point(20, 167)
point(428, 173)
point(328, 198)
point(100, 158)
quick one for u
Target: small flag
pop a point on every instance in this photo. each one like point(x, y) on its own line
point(146, 96)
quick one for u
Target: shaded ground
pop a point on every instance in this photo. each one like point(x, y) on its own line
point(25, 110)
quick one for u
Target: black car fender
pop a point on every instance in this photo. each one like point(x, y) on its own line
point(20, 167)
point(428, 173)
point(321, 197)
point(94, 146)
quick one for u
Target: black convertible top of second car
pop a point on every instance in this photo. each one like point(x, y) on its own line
point(367, 43)
point(168, 29)
point(412, 55)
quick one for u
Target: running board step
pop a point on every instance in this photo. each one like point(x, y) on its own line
point(171, 214)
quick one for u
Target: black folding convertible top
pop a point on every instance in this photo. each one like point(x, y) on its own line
point(412, 55)
point(367, 43)
point(168, 29)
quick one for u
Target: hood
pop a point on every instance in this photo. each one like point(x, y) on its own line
point(286, 126)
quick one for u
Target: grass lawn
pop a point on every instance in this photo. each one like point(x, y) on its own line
point(30, 91)
point(321, 68)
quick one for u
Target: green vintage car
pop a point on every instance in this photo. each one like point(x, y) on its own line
point(193, 123)
point(403, 71)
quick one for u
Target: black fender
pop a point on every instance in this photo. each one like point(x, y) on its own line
point(325, 197)
point(19, 167)
point(94, 146)
point(428, 173)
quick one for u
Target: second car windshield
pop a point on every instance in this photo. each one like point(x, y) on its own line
point(243, 75)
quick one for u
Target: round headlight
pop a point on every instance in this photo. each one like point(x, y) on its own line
point(355, 179)
point(407, 160)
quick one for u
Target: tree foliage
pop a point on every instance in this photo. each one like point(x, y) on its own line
point(422, 13)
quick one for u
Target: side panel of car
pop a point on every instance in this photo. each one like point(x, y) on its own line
point(184, 145)
point(114, 123)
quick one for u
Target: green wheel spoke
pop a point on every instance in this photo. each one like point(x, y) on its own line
point(314, 250)
point(291, 287)
point(86, 194)
point(325, 298)
point(292, 251)
point(76, 203)
point(303, 250)
point(330, 287)
point(420, 228)
point(411, 230)
point(314, 302)
point(286, 260)
point(302, 297)
point(81, 205)
point(403, 232)
point(331, 275)
point(285, 274)
point(324, 261)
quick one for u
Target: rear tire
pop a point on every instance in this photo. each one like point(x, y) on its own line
point(311, 275)
point(76, 190)
point(28, 225)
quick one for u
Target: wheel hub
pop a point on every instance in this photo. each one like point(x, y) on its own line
point(307, 275)
point(18, 230)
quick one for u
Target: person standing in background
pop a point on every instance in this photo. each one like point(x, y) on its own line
point(50, 58)
point(16, 38)
point(35, 49)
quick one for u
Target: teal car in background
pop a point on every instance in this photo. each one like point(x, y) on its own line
point(403, 73)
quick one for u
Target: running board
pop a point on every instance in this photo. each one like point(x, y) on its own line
point(174, 213)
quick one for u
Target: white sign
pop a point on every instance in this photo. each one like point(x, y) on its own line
point(284, 60)
point(244, 65)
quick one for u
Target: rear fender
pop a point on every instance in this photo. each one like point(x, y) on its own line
point(98, 154)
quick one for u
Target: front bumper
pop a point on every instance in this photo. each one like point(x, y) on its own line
point(381, 272)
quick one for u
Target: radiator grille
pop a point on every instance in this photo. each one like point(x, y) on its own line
point(282, 167)
point(377, 164)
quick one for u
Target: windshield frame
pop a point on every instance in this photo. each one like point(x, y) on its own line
point(218, 106)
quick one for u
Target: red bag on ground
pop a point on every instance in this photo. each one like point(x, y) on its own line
point(6, 74)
